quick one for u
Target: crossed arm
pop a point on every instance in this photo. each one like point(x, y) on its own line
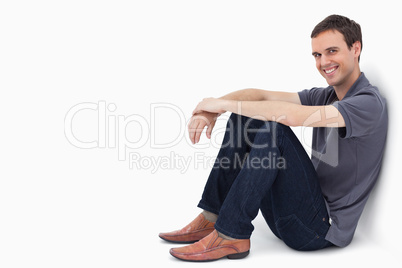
point(282, 107)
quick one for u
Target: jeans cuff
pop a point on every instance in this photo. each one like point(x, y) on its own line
point(232, 235)
point(208, 208)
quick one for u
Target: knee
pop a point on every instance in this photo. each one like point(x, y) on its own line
point(276, 125)
point(272, 133)
point(237, 120)
point(275, 129)
point(269, 129)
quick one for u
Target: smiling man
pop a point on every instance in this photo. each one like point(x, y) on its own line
point(308, 203)
point(336, 60)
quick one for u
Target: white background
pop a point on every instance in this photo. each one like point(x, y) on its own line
point(65, 206)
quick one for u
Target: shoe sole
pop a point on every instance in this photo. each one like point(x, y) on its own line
point(236, 256)
point(179, 242)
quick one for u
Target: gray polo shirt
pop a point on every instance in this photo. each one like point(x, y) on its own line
point(348, 159)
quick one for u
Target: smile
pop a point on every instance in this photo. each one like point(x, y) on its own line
point(330, 71)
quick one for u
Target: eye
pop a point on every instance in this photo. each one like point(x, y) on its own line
point(316, 55)
point(332, 51)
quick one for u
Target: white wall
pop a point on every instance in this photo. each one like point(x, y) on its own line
point(62, 205)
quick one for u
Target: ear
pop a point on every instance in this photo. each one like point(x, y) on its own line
point(357, 48)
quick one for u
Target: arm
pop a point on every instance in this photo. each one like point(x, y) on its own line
point(287, 113)
point(252, 94)
point(207, 118)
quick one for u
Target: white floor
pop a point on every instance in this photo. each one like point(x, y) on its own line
point(269, 250)
point(266, 248)
point(100, 217)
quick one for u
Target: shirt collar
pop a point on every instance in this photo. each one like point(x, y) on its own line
point(360, 83)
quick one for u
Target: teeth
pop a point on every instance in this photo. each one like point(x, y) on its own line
point(330, 70)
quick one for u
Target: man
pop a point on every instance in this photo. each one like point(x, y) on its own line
point(308, 203)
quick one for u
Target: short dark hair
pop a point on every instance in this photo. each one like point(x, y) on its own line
point(350, 29)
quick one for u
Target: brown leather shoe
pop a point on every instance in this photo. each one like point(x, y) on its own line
point(213, 248)
point(193, 232)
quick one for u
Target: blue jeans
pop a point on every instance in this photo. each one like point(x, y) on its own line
point(262, 166)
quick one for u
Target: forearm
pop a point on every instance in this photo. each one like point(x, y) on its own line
point(287, 113)
point(248, 94)
point(253, 94)
point(264, 110)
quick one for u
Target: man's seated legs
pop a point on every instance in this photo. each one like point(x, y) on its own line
point(265, 167)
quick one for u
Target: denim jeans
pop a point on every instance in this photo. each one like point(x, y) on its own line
point(262, 166)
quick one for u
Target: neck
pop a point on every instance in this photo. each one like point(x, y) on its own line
point(342, 89)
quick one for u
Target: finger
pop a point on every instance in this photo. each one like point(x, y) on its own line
point(196, 130)
point(191, 130)
point(209, 129)
point(199, 130)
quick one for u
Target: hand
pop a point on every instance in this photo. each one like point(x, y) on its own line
point(211, 105)
point(198, 123)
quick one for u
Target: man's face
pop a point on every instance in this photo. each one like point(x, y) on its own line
point(335, 61)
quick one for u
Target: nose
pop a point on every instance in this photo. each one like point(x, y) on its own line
point(325, 61)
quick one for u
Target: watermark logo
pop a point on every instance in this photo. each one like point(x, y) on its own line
point(128, 134)
point(113, 130)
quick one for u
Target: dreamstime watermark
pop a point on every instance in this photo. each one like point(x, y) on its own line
point(116, 131)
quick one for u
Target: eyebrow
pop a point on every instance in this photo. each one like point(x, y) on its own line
point(330, 48)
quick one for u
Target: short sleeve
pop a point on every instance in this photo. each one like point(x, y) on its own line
point(314, 96)
point(361, 112)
